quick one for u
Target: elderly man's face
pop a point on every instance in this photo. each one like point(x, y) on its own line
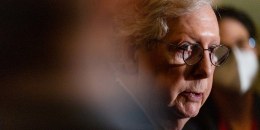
point(184, 88)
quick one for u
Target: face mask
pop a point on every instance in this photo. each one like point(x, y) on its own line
point(239, 71)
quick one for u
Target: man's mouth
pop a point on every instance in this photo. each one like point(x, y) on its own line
point(192, 96)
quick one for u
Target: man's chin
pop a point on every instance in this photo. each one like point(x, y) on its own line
point(188, 110)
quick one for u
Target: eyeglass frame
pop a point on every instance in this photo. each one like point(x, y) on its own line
point(177, 46)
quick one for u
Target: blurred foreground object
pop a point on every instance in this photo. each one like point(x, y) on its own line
point(39, 42)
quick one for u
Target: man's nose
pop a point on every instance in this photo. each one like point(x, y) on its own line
point(204, 68)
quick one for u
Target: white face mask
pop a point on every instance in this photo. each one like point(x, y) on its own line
point(239, 72)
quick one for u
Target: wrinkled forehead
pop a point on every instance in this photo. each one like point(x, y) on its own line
point(196, 25)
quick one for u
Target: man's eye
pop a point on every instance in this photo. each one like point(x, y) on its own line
point(184, 46)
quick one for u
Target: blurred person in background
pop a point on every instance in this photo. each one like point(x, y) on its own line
point(234, 103)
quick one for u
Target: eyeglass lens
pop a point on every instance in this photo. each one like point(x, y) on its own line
point(219, 55)
point(194, 53)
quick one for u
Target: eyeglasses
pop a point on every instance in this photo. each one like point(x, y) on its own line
point(193, 53)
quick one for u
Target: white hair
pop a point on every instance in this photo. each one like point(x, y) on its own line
point(151, 24)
